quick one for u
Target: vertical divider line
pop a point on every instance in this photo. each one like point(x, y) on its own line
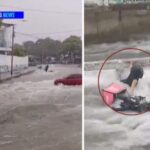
point(83, 140)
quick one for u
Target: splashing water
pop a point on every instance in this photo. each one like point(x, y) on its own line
point(38, 115)
point(108, 130)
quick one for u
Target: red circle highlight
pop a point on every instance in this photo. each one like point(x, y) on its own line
point(99, 75)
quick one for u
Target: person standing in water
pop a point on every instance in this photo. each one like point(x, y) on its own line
point(46, 67)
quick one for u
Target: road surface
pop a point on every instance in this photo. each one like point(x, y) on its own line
point(104, 128)
point(99, 52)
point(108, 130)
point(36, 115)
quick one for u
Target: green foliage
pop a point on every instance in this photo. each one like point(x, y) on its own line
point(48, 47)
point(73, 44)
point(18, 50)
point(43, 48)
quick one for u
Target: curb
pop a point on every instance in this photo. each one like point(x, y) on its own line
point(16, 76)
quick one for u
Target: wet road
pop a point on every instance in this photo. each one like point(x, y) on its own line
point(104, 128)
point(36, 115)
point(108, 130)
point(99, 52)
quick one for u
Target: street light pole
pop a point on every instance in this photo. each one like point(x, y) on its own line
point(12, 52)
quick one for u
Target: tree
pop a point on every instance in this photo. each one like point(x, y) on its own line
point(73, 47)
point(73, 43)
point(43, 48)
point(49, 47)
point(46, 49)
point(19, 50)
point(30, 48)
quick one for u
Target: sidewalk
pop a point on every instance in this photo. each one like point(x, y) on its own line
point(7, 75)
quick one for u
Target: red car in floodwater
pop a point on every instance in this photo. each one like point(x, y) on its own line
point(74, 79)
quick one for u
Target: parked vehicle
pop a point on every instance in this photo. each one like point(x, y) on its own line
point(73, 79)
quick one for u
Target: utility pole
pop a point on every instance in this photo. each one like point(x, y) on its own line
point(12, 52)
point(97, 22)
point(42, 58)
point(12, 44)
point(120, 14)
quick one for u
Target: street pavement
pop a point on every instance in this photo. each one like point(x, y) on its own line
point(37, 115)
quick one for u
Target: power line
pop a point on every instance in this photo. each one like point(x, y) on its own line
point(50, 33)
point(42, 11)
point(29, 35)
point(68, 31)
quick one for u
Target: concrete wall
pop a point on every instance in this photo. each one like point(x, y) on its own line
point(103, 25)
point(19, 62)
point(108, 19)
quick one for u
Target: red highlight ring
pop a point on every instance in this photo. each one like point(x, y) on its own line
point(99, 75)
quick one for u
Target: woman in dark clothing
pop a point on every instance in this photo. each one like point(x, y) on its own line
point(46, 68)
point(136, 73)
point(127, 97)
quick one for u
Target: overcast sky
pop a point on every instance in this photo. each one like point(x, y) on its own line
point(57, 19)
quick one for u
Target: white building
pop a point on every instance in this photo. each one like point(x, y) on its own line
point(6, 48)
point(5, 39)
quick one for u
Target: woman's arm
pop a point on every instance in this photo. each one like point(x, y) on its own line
point(133, 86)
point(131, 64)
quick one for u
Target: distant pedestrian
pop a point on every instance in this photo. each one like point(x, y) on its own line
point(46, 68)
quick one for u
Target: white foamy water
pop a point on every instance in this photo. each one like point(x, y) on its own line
point(98, 2)
point(37, 115)
point(108, 130)
point(37, 88)
point(98, 52)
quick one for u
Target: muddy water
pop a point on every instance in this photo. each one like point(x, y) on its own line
point(108, 130)
point(36, 115)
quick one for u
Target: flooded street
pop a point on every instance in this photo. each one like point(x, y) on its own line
point(108, 130)
point(98, 52)
point(36, 115)
point(104, 128)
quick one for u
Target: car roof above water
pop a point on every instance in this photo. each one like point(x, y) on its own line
point(75, 76)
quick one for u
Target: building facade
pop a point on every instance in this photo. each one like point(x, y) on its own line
point(5, 39)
